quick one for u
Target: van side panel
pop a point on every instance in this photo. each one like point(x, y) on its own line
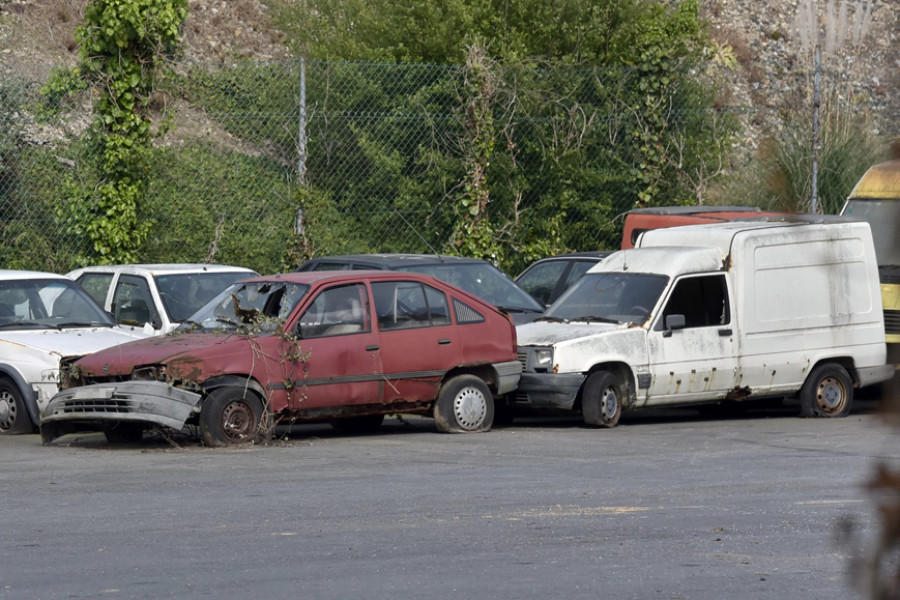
point(803, 300)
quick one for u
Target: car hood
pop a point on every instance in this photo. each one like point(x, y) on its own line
point(544, 333)
point(156, 350)
point(70, 342)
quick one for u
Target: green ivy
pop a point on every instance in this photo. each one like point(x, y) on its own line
point(124, 46)
point(474, 234)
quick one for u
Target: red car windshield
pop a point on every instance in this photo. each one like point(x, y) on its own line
point(265, 305)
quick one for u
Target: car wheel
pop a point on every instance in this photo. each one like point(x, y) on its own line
point(230, 415)
point(464, 405)
point(14, 416)
point(601, 401)
point(364, 424)
point(827, 392)
point(125, 433)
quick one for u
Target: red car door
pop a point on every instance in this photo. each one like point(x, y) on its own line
point(341, 362)
point(417, 338)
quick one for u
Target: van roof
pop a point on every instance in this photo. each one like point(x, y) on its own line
point(663, 260)
point(721, 235)
point(704, 209)
point(880, 181)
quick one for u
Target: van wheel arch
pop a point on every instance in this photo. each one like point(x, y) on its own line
point(828, 389)
point(623, 374)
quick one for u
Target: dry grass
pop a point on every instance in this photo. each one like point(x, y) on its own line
point(236, 29)
point(743, 53)
point(42, 32)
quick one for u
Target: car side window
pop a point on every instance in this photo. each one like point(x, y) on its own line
point(541, 279)
point(579, 268)
point(132, 302)
point(702, 300)
point(408, 304)
point(337, 311)
point(330, 266)
point(96, 285)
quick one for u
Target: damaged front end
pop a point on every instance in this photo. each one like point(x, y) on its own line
point(104, 406)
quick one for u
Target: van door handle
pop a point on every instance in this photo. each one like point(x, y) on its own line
point(371, 348)
point(724, 332)
point(443, 341)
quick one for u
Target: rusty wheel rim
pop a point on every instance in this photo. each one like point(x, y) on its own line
point(609, 404)
point(831, 395)
point(238, 421)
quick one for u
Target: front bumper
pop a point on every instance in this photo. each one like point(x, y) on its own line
point(97, 407)
point(549, 390)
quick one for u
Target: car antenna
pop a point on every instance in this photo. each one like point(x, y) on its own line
point(416, 231)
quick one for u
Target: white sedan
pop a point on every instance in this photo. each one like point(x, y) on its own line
point(44, 319)
point(156, 297)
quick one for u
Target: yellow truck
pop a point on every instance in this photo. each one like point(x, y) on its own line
point(876, 199)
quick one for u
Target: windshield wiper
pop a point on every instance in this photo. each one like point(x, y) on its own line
point(594, 319)
point(518, 309)
point(25, 325)
point(79, 324)
point(226, 320)
point(552, 319)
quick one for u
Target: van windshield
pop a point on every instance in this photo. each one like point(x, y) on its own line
point(884, 218)
point(612, 297)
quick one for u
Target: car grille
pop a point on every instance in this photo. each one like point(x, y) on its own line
point(522, 356)
point(892, 322)
point(108, 405)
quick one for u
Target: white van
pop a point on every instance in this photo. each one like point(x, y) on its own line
point(712, 313)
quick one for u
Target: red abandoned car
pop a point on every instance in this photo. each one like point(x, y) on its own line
point(349, 347)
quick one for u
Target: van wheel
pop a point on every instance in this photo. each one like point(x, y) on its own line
point(230, 415)
point(827, 392)
point(464, 405)
point(13, 412)
point(601, 401)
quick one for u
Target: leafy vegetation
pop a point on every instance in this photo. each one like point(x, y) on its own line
point(212, 205)
point(123, 46)
point(781, 179)
point(573, 114)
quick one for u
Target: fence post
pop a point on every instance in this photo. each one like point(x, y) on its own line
point(301, 126)
point(815, 134)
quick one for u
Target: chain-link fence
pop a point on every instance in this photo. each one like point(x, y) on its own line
point(266, 164)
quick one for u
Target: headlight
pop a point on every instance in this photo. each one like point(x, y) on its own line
point(543, 359)
point(149, 373)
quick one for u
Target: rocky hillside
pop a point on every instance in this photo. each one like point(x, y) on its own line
point(765, 38)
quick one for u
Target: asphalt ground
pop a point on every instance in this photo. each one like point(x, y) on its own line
point(670, 505)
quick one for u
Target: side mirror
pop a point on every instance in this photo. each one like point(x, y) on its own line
point(673, 322)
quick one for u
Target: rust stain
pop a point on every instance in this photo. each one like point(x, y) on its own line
point(738, 393)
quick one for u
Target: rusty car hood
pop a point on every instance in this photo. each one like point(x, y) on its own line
point(158, 350)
